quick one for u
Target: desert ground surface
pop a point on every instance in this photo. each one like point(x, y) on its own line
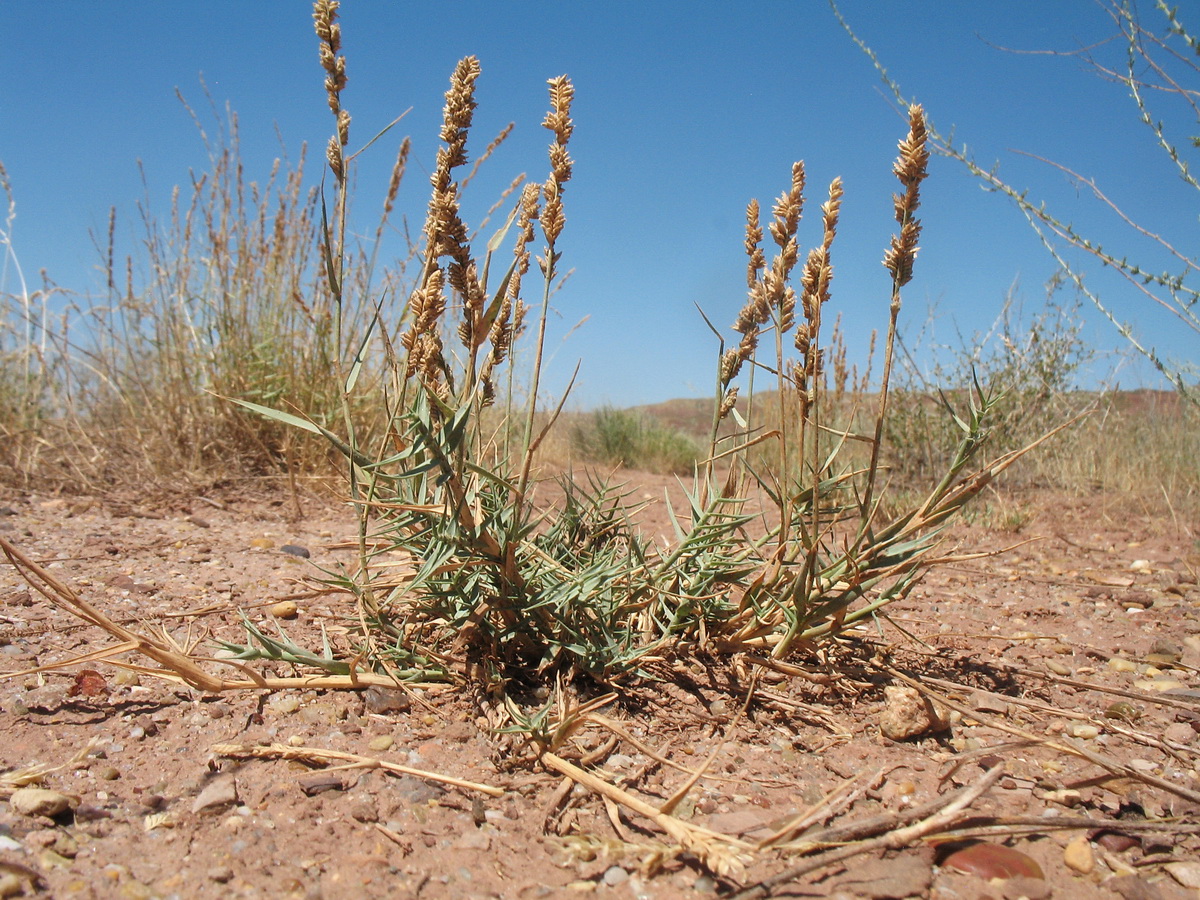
point(1071, 656)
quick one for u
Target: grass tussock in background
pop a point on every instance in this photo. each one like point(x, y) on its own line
point(627, 438)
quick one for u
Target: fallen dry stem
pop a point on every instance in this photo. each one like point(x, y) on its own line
point(993, 826)
point(178, 667)
point(319, 757)
point(719, 852)
point(940, 818)
point(1110, 765)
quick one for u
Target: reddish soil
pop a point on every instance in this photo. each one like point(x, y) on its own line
point(1087, 638)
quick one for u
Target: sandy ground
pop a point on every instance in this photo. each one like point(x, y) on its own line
point(1073, 660)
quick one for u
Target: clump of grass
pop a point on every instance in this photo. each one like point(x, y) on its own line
point(632, 439)
point(461, 577)
point(225, 300)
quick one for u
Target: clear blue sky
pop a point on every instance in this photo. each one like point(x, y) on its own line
point(684, 111)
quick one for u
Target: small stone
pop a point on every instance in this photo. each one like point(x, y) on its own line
point(286, 705)
point(1120, 664)
point(296, 550)
point(107, 773)
point(221, 791)
point(321, 782)
point(1162, 660)
point(383, 700)
point(1123, 710)
point(262, 544)
point(1116, 841)
point(381, 743)
point(364, 809)
point(125, 678)
point(198, 522)
point(1186, 873)
point(987, 702)
point(1083, 731)
point(1058, 668)
point(32, 801)
point(615, 875)
point(220, 874)
point(1158, 684)
point(11, 885)
point(1180, 733)
point(1140, 565)
point(908, 714)
point(1131, 887)
point(988, 861)
point(1078, 855)
point(285, 609)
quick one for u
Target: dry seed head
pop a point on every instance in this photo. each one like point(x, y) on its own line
point(789, 208)
point(427, 306)
point(814, 281)
point(330, 35)
point(397, 174)
point(830, 211)
point(803, 337)
point(911, 168)
point(728, 402)
point(325, 23)
point(754, 236)
point(787, 309)
point(731, 362)
point(460, 109)
point(557, 120)
point(333, 153)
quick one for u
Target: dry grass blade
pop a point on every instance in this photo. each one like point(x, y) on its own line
point(15, 779)
point(66, 598)
point(721, 853)
point(319, 757)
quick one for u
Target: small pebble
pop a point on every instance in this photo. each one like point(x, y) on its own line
point(1186, 873)
point(107, 773)
point(32, 801)
point(286, 705)
point(1119, 664)
point(1078, 855)
point(262, 544)
point(285, 609)
point(296, 550)
point(1158, 684)
point(383, 700)
point(221, 791)
point(1085, 732)
point(11, 885)
point(1115, 841)
point(380, 743)
point(615, 875)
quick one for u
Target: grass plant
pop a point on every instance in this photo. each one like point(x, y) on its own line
point(461, 576)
